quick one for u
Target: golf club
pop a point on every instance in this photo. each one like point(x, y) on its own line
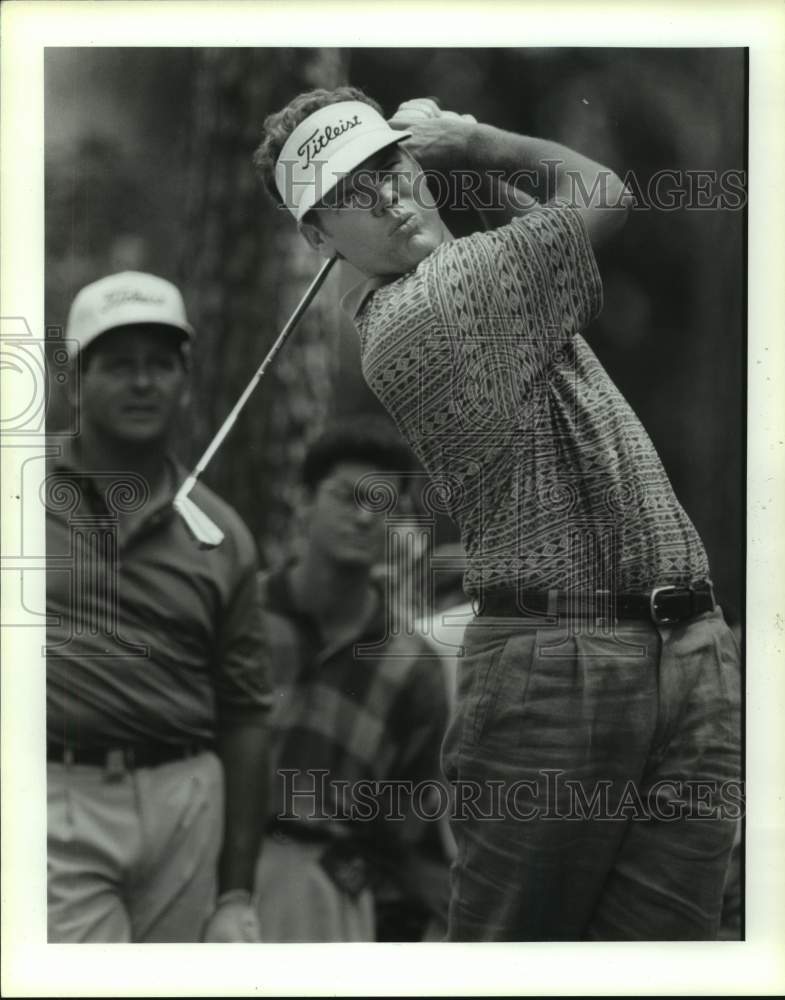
point(204, 532)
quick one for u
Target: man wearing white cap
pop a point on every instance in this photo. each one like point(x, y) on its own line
point(157, 691)
point(600, 683)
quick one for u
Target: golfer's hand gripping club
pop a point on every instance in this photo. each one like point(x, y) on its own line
point(439, 139)
point(207, 534)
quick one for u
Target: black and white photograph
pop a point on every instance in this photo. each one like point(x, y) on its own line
point(384, 445)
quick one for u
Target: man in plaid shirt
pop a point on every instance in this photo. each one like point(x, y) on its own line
point(358, 719)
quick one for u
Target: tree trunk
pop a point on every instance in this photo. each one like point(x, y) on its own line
point(244, 268)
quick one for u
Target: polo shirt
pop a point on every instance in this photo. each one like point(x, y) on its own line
point(150, 639)
point(478, 356)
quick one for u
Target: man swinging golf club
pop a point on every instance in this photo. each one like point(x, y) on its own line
point(599, 685)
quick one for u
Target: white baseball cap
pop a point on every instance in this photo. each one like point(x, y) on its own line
point(325, 147)
point(122, 299)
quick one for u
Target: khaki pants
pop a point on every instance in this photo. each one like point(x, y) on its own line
point(133, 857)
point(296, 900)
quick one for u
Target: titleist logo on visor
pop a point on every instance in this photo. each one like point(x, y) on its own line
point(325, 147)
point(320, 138)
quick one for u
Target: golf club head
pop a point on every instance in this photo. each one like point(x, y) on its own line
point(204, 532)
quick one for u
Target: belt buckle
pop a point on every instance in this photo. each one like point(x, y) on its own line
point(656, 617)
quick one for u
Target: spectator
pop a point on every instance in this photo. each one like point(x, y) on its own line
point(353, 706)
point(157, 696)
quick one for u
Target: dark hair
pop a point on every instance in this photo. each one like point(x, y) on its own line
point(362, 439)
point(279, 126)
point(177, 338)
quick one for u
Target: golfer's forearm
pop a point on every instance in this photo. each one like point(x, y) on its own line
point(553, 169)
point(244, 754)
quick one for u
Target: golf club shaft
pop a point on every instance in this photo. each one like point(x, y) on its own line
point(227, 425)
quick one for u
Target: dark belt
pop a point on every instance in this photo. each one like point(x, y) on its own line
point(124, 758)
point(662, 605)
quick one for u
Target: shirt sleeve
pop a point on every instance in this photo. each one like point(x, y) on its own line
point(533, 283)
point(243, 681)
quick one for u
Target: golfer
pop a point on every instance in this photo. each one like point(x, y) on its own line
point(595, 747)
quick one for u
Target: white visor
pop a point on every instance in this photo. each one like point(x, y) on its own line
point(325, 148)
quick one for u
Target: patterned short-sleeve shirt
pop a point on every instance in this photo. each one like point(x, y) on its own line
point(478, 356)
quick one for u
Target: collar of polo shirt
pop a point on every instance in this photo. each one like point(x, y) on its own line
point(327, 146)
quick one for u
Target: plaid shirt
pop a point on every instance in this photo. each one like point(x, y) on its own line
point(351, 718)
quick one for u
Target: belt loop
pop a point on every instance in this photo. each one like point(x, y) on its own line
point(604, 609)
point(115, 764)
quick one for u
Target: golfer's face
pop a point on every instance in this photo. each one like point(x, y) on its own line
point(382, 218)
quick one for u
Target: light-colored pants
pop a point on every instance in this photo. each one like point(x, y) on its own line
point(133, 857)
point(296, 900)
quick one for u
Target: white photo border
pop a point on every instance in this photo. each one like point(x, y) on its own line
point(30, 967)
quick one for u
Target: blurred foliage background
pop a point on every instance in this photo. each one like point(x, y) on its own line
point(148, 167)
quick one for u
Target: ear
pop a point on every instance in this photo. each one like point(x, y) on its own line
point(317, 238)
point(185, 397)
point(186, 359)
point(76, 371)
point(302, 500)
